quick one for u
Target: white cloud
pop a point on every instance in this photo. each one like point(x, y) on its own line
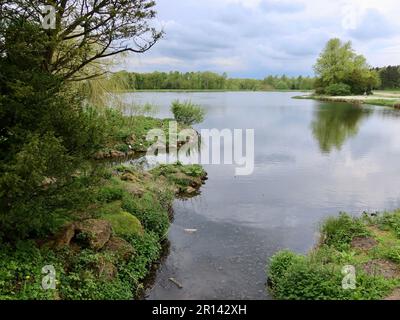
point(254, 38)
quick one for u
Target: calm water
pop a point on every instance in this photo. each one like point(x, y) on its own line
point(312, 160)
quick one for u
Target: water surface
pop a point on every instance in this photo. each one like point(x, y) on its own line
point(312, 159)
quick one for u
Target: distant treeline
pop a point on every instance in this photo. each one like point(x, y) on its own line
point(208, 81)
point(390, 77)
point(174, 80)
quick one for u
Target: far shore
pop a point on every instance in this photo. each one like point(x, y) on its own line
point(208, 90)
point(378, 98)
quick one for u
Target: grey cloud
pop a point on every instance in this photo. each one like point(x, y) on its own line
point(277, 37)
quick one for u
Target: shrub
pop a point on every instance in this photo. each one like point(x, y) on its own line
point(194, 170)
point(279, 264)
point(187, 112)
point(338, 232)
point(338, 89)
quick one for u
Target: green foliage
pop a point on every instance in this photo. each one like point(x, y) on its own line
point(318, 275)
point(110, 193)
point(175, 80)
point(390, 77)
point(299, 278)
point(187, 112)
point(279, 263)
point(338, 232)
point(21, 271)
point(46, 137)
point(194, 170)
point(148, 250)
point(339, 64)
point(390, 221)
point(76, 273)
point(124, 223)
point(338, 89)
point(152, 215)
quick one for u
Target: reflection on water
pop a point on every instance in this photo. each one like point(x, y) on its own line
point(333, 124)
point(312, 160)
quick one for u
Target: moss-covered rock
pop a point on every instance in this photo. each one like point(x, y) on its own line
point(124, 224)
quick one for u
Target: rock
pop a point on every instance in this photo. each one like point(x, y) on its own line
point(135, 190)
point(120, 247)
point(127, 176)
point(395, 295)
point(131, 139)
point(64, 237)
point(363, 243)
point(381, 267)
point(117, 154)
point(100, 155)
point(124, 224)
point(94, 233)
point(106, 269)
point(396, 106)
point(190, 190)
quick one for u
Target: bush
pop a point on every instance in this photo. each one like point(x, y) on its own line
point(338, 232)
point(279, 264)
point(338, 89)
point(296, 277)
point(187, 112)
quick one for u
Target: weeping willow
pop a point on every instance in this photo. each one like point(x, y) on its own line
point(101, 89)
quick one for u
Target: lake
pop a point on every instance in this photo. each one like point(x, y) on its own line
point(312, 160)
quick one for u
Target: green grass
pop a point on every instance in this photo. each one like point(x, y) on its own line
point(370, 101)
point(383, 102)
point(318, 275)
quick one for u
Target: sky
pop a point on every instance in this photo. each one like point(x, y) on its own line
point(255, 38)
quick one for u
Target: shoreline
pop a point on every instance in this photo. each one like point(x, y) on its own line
point(111, 247)
point(357, 258)
point(376, 100)
point(205, 90)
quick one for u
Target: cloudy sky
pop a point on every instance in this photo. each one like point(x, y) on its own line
point(254, 38)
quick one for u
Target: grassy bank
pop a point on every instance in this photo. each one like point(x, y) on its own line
point(102, 246)
point(393, 100)
point(370, 244)
point(106, 250)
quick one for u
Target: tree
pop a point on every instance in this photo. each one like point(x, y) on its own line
point(339, 64)
point(47, 133)
point(85, 31)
